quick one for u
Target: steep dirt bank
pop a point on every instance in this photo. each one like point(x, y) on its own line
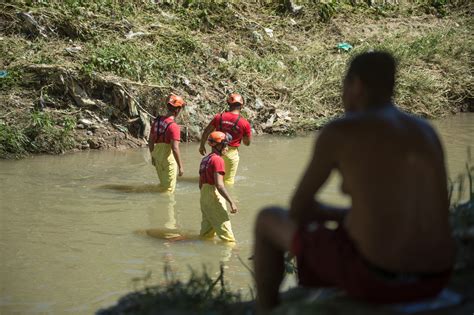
point(87, 74)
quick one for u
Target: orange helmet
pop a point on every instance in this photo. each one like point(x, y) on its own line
point(235, 98)
point(217, 137)
point(175, 101)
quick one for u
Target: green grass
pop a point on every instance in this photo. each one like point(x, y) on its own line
point(42, 133)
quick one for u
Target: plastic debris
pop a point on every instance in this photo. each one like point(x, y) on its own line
point(344, 46)
point(3, 74)
point(269, 32)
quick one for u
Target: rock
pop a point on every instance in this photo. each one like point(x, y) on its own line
point(84, 146)
point(222, 60)
point(94, 127)
point(80, 126)
point(89, 133)
point(85, 122)
point(293, 22)
point(93, 143)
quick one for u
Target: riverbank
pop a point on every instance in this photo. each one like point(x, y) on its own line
point(84, 75)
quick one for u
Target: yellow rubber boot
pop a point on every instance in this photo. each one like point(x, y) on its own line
point(166, 166)
point(215, 219)
point(231, 161)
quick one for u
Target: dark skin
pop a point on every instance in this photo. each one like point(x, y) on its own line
point(235, 109)
point(173, 113)
point(392, 166)
point(220, 149)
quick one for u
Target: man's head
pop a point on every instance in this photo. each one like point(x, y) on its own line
point(175, 103)
point(369, 81)
point(235, 101)
point(219, 141)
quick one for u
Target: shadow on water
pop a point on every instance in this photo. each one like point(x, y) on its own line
point(145, 188)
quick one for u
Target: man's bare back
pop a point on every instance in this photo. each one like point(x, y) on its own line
point(394, 243)
point(393, 168)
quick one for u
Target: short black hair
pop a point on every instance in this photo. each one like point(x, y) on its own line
point(376, 70)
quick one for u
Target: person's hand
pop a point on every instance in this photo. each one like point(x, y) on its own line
point(202, 150)
point(233, 208)
point(153, 161)
point(181, 171)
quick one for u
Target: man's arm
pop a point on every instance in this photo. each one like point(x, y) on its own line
point(246, 140)
point(177, 156)
point(303, 207)
point(210, 128)
point(219, 180)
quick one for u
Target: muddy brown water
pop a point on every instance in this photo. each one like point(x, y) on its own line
point(72, 227)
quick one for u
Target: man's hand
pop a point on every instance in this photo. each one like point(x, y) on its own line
point(181, 171)
point(233, 208)
point(202, 150)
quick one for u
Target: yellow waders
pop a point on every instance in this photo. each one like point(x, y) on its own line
point(215, 219)
point(166, 166)
point(231, 161)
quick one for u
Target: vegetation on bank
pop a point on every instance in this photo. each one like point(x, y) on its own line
point(281, 55)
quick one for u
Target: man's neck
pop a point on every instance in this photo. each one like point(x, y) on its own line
point(214, 150)
point(170, 114)
point(234, 111)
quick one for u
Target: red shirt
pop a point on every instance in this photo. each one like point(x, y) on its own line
point(209, 166)
point(226, 122)
point(164, 129)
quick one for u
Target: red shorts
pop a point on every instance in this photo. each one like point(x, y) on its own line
point(328, 258)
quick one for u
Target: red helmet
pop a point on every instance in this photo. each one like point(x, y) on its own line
point(175, 101)
point(217, 137)
point(235, 98)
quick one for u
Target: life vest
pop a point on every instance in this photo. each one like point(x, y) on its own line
point(160, 136)
point(203, 167)
point(233, 129)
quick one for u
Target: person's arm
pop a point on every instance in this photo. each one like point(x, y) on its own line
point(177, 156)
point(151, 144)
point(247, 135)
point(246, 140)
point(304, 207)
point(210, 128)
point(219, 180)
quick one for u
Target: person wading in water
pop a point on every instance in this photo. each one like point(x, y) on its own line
point(215, 219)
point(238, 127)
point(163, 142)
point(394, 243)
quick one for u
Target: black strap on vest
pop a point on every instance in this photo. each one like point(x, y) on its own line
point(234, 127)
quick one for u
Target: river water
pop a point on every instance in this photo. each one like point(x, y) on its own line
point(72, 227)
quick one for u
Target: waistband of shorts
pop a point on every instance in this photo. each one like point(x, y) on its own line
point(399, 276)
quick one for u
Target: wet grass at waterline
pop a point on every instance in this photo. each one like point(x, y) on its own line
point(200, 294)
point(282, 58)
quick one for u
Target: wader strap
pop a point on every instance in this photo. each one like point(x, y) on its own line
point(158, 134)
point(204, 170)
point(234, 127)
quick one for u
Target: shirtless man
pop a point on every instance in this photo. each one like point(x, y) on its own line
point(394, 244)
